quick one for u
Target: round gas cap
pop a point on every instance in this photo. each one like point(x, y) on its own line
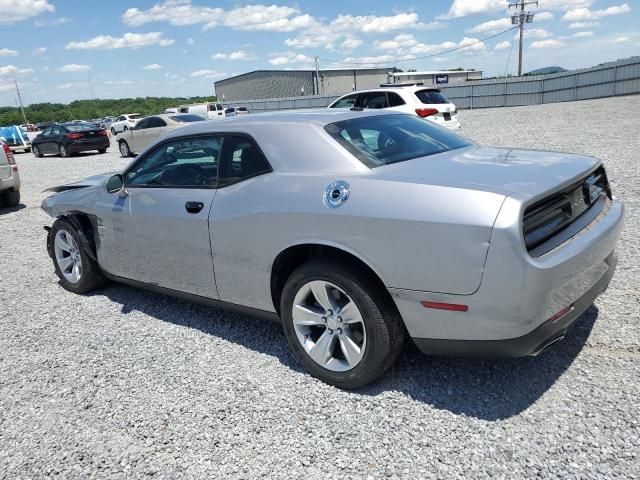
point(336, 194)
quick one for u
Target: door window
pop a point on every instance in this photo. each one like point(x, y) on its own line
point(374, 100)
point(395, 100)
point(241, 159)
point(156, 122)
point(144, 123)
point(346, 102)
point(184, 163)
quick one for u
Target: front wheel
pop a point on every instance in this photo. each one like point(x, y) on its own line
point(125, 151)
point(102, 150)
point(113, 131)
point(10, 199)
point(339, 323)
point(63, 151)
point(77, 271)
point(36, 152)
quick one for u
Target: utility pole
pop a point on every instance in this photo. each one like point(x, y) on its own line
point(520, 18)
point(24, 117)
point(317, 76)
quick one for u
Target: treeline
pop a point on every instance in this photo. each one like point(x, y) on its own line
point(87, 109)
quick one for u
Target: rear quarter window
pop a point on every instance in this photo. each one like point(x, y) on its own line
point(431, 97)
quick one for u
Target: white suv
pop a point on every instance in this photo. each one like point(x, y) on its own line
point(125, 122)
point(426, 102)
point(9, 178)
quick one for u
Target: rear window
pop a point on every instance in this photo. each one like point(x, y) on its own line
point(186, 118)
point(431, 97)
point(230, 110)
point(242, 109)
point(80, 127)
point(386, 139)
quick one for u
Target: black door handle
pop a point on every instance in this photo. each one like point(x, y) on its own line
point(194, 207)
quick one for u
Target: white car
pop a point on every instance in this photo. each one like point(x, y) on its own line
point(425, 102)
point(136, 139)
point(9, 178)
point(125, 122)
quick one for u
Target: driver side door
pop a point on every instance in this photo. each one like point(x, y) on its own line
point(158, 231)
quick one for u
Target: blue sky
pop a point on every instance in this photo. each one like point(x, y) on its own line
point(62, 50)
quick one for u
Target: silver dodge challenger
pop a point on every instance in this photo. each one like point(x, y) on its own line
point(355, 230)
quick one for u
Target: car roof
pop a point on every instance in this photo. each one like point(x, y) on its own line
point(405, 88)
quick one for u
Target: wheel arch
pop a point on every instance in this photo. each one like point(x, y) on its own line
point(85, 225)
point(295, 255)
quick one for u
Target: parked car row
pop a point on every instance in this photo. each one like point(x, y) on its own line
point(65, 139)
point(9, 177)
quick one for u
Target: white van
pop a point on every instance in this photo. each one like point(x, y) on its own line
point(206, 110)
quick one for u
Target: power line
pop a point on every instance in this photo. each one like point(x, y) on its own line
point(443, 52)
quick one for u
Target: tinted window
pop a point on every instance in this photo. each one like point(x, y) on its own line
point(242, 109)
point(386, 139)
point(191, 162)
point(374, 100)
point(186, 118)
point(80, 127)
point(346, 102)
point(230, 110)
point(136, 115)
point(241, 159)
point(156, 122)
point(431, 97)
point(144, 123)
point(119, 119)
point(395, 100)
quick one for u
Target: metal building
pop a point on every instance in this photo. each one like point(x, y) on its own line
point(437, 77)
point(261, 84)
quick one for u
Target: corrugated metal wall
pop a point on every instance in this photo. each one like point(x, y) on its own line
point(610, 79)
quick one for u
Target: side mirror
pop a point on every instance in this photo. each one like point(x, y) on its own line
point(115, 184)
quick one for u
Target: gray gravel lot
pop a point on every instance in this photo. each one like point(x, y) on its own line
point(127, 383)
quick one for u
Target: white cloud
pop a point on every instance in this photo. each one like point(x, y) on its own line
point(190, 41)
point(74, 67)
point(18, 10)
point(350, 44)
point(462, 8)
point(543, 16)
point(7, 52)
point(622, 39)
point(564, 4)
point(271, 18)
point(288, 58)
point(503, 45)
point(40, 51)
point(13, 70)
point(582, 34)
point(128, 40)
point(69, 86)
point(119, 82)
point(583, 25)
point(210, 74)
point(152, 66)
point(237, 55)
point(400, 41)
point(581, 14)
point(492, 26)
point(536, 33)
point(53, 23)
point(550, 43)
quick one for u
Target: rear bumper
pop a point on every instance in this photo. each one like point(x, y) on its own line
point(97, 144)
point(531, 343)
point(11, 183)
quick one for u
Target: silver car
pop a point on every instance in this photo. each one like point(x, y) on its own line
point(355, 230)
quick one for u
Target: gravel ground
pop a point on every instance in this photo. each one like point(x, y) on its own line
point(127, 383)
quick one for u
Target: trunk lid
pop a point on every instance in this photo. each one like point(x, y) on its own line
point(504, 170)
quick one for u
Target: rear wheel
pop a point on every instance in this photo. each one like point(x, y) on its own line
point(36, 152)
point(102, 150)
point(10, 199)
point(77, 271)
point(125, 151)
point(339, 324)
point(113, 131)
point(63, 151)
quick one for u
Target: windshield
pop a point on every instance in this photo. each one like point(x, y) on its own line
point(385, 139)
point(431, 97)
point(186, 118)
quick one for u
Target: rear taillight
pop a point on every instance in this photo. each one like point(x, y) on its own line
point(102, 133)
point(426, 112)
point(10, 157)
point(74, 136)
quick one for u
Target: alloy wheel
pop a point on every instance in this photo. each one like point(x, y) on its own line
point(68, 256)
point(329, 326)
point(124, 149)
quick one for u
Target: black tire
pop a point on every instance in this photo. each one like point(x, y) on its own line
point(62, 150)
point(113, 131)
point(36, 151)
point(102, 150)
point(10, 199)
point(125, 128)
point(91, 277)
point(125, 151)
point(383, 325)
point(26, 150)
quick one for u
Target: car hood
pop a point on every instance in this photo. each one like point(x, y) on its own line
point(86, 182)
point(504, 170)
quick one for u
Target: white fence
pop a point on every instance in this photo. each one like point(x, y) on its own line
point(611, 79)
